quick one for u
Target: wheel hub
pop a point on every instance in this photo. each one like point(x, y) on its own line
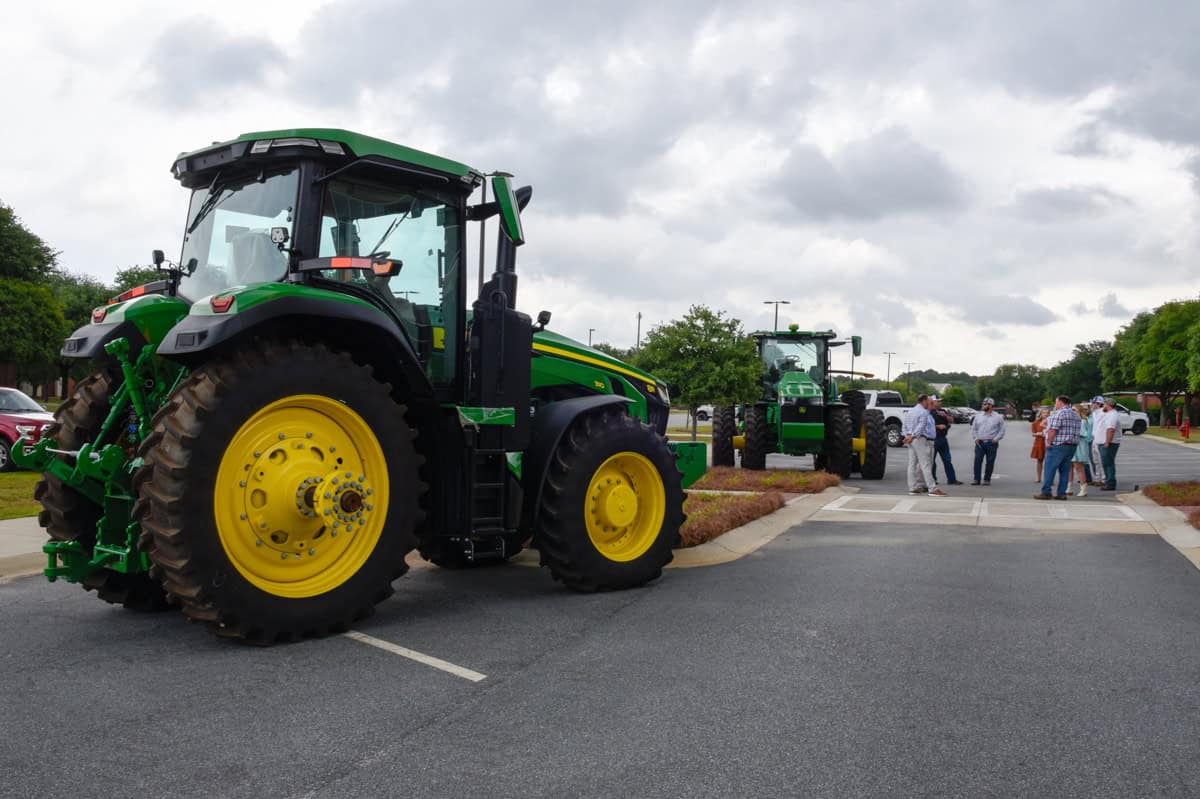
point(303, 497)
point(625, 506)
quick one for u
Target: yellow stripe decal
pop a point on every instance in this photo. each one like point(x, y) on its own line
point(574, 356)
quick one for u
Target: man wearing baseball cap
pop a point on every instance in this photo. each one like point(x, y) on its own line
point(1107, 433)
point(941, 444)
point(1097, 440)
point(987, 429)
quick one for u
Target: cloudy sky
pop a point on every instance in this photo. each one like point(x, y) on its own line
point(963, 183)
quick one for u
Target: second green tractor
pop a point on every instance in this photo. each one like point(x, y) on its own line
point(800, 411)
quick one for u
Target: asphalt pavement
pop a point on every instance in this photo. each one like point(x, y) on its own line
point(844, 658)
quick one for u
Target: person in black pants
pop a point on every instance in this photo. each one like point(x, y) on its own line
point(941, 444)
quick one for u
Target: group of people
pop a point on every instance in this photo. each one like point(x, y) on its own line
point(1067, 441)
point(1080, 442)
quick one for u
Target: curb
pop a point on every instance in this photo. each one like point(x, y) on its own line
point(16, 566)
point(1195, 446)
point(1171, 525)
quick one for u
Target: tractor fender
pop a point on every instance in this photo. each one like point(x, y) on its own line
point(142, 320)
point(354, 326)
point(89, 340)
point(550, 423)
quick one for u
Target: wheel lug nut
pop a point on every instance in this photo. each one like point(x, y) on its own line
point(333, 449)
point(283, 556)
point(243, 517)
point(281, 436)
point(258, 543)
point(312, 551)
point(308, 435)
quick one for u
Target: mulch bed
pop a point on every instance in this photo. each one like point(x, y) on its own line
point(711, 515)
point(787, 481)
point(1185, 496)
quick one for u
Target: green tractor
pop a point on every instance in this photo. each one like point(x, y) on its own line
point(801, 412)
point(310, 394)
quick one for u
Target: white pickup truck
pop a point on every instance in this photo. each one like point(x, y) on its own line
point(893, 407)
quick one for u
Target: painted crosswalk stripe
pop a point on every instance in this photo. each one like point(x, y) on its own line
point(419, 657)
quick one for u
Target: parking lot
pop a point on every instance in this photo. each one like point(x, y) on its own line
point(852, 657)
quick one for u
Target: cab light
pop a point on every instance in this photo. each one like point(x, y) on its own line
point(221, 304)
point(98, 315)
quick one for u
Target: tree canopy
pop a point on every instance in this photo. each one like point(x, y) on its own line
point(1080, 376)
point(1021, 383)
point(705, 357)
point(23, 255)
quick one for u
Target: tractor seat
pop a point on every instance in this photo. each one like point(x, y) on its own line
point(254, 258)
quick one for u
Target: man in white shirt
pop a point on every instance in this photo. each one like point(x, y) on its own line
point(1109, 438)
point(1097, 461)
point(919, 432)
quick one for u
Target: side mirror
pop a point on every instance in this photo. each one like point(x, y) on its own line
point(856, 345)
point(543, 319)
point(157, 257)
point(279, 236)
point(510, 214)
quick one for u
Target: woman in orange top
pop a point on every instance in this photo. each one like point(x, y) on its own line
point(1038, 453)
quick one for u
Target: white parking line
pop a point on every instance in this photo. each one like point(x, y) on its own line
point(412, 654)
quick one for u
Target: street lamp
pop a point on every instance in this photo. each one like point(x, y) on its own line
point(909, 365)
point(590, 331)
point(776, 303)
point(637, 345)
point(889, 369)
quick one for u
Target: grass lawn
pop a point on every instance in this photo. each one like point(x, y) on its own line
point(710, 515)
point(1173, 434)
point(16, 494)
point(788, 481)
point(1182, 495)
point(701, 429)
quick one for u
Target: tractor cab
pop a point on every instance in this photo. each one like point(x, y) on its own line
point(795, 366)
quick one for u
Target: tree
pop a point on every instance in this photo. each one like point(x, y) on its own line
point(78, 295)
point(705, 357)
point(1080, 377)
point(1118, 365)
point(1162, 353)
point(132, 276)
point(31, 329)
point(23, 255)
point(954, 397)
point(1021, 383)
point(626, 355)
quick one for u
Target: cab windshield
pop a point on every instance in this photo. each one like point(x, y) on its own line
point(228, 232)
point(791, 356)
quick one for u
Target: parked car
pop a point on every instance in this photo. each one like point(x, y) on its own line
point(1134, 422)
point(704, 413)
point(19, 416)
point(962, 415)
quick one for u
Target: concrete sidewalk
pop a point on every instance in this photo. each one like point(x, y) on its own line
point(21, 543)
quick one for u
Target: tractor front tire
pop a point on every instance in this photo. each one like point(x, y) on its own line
point(724, 429)
point(839, 444)
point(612, 504)
point(281, 492)
point(758, 438)
point(874, 461)
point(69, 516)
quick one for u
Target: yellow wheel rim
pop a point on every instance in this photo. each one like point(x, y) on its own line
point(301, 496)
point(626, 503)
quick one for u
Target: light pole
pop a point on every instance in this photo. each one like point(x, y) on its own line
point(590, 331)
point(637, 344)
point(776, 303)
point(889, 369)
point(909, 365)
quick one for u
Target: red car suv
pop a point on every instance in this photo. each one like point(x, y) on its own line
point(19, 416)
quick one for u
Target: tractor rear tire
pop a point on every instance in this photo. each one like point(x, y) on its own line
point(612, 504)
point(724, 429)
point(241, 555)
point(758, 439)
point(839, 444)
point(69, 516)
point(874, 460)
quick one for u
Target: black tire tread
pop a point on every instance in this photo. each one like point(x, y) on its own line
point(758, 438)
point(875, 456)
point(839, 451)
point(724, 429)
point(178, 426)
point(558, 539)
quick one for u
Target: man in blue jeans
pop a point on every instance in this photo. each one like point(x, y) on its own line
point(1062, 437)
point(941, 444)
point(987, 428)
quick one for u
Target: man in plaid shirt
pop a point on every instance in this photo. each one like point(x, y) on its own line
point(1062, 436)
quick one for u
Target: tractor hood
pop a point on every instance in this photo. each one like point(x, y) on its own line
point(551, 343)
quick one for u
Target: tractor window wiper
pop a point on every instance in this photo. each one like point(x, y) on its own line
point(391, 229)
point(211, 201)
